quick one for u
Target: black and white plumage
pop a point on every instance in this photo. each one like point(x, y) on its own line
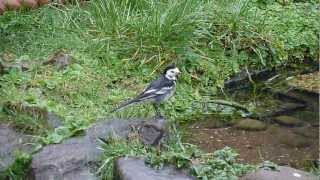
point(158, 91)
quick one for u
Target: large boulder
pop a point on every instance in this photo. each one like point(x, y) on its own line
point(136, 169)
point(10, 143)
point(74, 158)
point(60, 160)
point(282, 173)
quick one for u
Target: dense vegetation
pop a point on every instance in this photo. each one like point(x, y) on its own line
point(119, 46)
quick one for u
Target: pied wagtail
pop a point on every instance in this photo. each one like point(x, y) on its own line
point(158, 90)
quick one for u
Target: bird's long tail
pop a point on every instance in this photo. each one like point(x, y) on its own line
point(123, 105)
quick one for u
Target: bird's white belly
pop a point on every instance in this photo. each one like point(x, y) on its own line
point(169, 95)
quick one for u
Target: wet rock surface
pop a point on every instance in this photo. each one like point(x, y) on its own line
point(10, 143)
point(306, 132)
point(288, 121)
point(251, 125)
point(136, 169)
point(307, 82)
point(75, 157)
point(282, 173)
point(278, 144)
point(293, 140)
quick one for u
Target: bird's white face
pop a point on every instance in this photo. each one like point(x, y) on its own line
point(172, 74)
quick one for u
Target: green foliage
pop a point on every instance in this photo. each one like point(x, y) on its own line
point(219, 165)
point(114, 148)
point(19, 169)
point(268, 165)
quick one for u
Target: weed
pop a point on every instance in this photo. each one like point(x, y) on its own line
point(19, 169)
point(219, 165)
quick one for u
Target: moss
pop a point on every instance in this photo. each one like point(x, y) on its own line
point(288, 121)
point(251, 125)
point(293, 140)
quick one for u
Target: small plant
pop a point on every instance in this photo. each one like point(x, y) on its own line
point(19, 169)
point(268, 165)
point(219, 165)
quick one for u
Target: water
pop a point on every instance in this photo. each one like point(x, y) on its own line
point(296, 146)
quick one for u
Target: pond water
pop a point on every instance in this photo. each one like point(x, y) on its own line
point(296, 145)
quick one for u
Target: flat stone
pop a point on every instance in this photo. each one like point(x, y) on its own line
point(80, 174)
point(73, 158)
point(306, 132)
point(11, 142)
point(60, 160)
point(293, 140)
point(282, 173)
point(288, 121)
point(308, 82)
point(251, 125)
point(136, 169)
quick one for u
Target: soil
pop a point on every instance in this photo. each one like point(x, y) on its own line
point(276, 144)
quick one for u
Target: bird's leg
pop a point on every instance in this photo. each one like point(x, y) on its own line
point(157, 109)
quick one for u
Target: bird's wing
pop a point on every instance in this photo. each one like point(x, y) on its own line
point(157, 87)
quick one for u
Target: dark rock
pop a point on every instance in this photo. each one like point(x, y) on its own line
point(80, 174)
point(11, 142)
point(293, 140)
point(53, 119)
point(311, 117)
point(285, 108)
point(152, 132)
point(75, 157)
point(61, 59)
point(135, 169)
point(281, 173)
point(288, 121)
point(105, 128)
point(241, 80)
point(6, 67)
point(2, 68)
point(251, 125)
point(306, 132)
point(58, 161)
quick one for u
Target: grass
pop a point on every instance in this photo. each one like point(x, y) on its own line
point(119, 46)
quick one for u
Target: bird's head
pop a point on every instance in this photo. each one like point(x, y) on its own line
point(171, 72)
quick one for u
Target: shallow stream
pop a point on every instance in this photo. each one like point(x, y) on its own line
point(293, 140)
